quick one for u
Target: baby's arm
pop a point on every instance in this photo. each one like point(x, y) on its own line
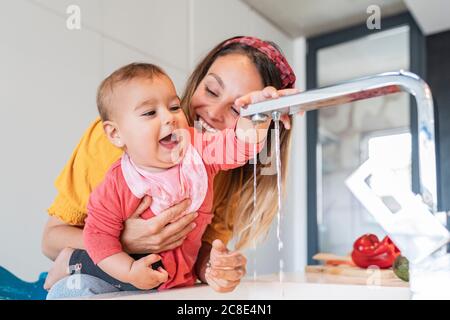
point(232, 148)
point(102, 231)
point(139, 273)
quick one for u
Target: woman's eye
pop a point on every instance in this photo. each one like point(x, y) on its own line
point(175, 108)
point(211, 92)
point(235, 111)
point(149, 113)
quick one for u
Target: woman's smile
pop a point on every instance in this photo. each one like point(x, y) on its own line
point(205, 125)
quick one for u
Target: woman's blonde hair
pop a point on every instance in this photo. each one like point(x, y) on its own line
point(233, 190)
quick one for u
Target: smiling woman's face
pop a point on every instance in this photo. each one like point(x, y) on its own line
point(228, 78)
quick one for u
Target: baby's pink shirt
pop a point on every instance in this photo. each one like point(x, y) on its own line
point(112, 202)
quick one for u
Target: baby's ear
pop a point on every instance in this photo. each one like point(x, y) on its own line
point(113, 133)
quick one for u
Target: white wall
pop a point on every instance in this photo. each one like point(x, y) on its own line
point(49, 79)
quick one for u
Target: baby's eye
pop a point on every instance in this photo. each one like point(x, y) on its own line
point(149, 113)
point(175, 108)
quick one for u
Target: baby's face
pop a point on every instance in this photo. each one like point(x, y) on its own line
point(147, 112)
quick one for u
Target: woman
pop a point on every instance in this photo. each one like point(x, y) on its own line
point(236, 72)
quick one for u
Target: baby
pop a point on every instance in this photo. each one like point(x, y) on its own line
point(163, 158)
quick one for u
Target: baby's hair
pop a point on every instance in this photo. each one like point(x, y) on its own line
point(126, 73)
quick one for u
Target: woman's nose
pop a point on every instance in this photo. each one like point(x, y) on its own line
point(216, 113)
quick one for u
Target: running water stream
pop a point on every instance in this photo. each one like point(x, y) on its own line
point(255, 160)
point(276, 119)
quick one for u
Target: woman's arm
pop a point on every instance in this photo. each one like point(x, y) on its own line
point(59, 235)
point(139, 236)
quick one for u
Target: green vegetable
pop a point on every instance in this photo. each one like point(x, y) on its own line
point(401, 268)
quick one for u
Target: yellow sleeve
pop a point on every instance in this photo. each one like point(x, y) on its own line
point(85, 169)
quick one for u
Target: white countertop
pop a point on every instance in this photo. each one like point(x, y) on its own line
point(293, 286)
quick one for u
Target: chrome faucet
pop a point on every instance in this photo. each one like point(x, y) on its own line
point(365, 88)
point(423, 232)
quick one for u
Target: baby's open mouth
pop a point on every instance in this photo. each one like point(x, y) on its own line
point(170, 141)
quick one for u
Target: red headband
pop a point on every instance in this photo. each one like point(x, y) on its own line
point(287, 75)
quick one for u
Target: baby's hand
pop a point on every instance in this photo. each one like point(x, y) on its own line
point(226, 269)
point(142, 276)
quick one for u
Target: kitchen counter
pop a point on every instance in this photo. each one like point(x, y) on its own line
point(294, 286)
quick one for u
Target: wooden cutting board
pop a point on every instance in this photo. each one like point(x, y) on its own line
point(346, 274)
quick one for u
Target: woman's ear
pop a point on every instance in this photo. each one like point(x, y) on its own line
point(113, 133)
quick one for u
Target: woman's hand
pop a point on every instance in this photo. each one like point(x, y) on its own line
point(226, 268)
point(157, 234)
point(266, 94)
